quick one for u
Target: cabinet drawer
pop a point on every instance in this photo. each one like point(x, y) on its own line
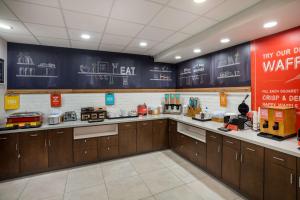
point(85, 155)
point(111, 140)
point(213, 136)
point(160, 122)
point(172, 123)
point(85, 143)
point(126, 126)
point(144, 124)
point(61, 131)
point(232, 143)
point(279, 158)
point(109, 152)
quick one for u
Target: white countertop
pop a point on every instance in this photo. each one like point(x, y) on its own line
point(288, 146)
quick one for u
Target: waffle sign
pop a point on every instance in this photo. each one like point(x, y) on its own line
point(55, 100)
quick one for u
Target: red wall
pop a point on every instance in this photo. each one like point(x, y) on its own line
point(275, 70)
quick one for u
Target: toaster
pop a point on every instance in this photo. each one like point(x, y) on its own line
point(54, 119)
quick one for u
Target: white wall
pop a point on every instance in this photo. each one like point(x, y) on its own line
point(127, 101)
point(3, 55)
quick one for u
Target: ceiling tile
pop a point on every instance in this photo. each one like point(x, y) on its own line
point(191, 6)
point(135, 44)
point(199, 25)
point(162, 46)
point(54, 42)
point(76, 35)
point(135, 51)
point(47, 31)
point(84, 45)
point(53, 3)
point(173, 19)
point(5, 13)
point(135, 10)
point(123, 28)
point(17, 27)
point(229, 8)
point(96, 7)
point(111, 47)
point(153, 51)
point(153, 33)
point(115, 39)
point(84, 21)
point(33, 13)
point(177, 37)
point(26, 39)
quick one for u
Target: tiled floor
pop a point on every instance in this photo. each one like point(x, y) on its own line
point(155, 176)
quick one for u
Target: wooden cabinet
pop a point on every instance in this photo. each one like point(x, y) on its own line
point(231, 161)
point(214, 153)
point(127, 139)
point(252, 170)
point(9, 155)
point(280, 176)
point(60, 148)
point(144, 136)
point(33, 151)
point(86, 150)
point(198, 153)
point(172, 133)
point(108, 147)
point(160, 134)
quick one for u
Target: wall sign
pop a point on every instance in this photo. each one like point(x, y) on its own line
point(226, 68)
point(276, 71)
point(109, 99)
point(44, 67)
point(11, 102)
point(55, 99)
point(2, 75)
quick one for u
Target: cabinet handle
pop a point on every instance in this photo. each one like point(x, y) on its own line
point(108, 148)
point(299, 181)
point(219, 149)
point(250, 149)
point(213, 137)
point(45, 143)
point(241, 158)
point(85, 152)
point(291, 179)
point(196, 142)
point(49, 142)
point(4, 138)
point(59, 132)
point(85, 141)
point(144, 124)
point(196, 154)
point(127, 125)
point(229, 142)
point(280, 159)
point(236, 156)
point(33, 135)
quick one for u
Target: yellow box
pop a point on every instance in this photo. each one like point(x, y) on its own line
point(11, 102)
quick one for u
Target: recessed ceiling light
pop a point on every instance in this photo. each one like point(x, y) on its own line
point(270, 24)
point(178, 57)
point(199, 1)
point(197, 50)
point(85, 36)
point(143, 44)
point(6, 27)
point(225, 40)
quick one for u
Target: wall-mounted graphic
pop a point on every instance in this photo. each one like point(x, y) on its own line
point(105, 72)
point(161, 73)
point(2, 71)
point(195, 74)
point(27, 68)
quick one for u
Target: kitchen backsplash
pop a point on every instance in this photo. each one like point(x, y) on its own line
point(126, 101)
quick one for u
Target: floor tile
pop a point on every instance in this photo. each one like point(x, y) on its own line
point(174, 156)
point(118, 170)
point(130, 188)
point(146, 163)
point(210, 189)
point(182, 174)
point(161, 180)
point(84, 177)
point(179, 193)
point(193, 169)
point(148, 198)
point(93, 193)
point(165, 159)
point(11, 190)
point(45, 186)
point(60, 197)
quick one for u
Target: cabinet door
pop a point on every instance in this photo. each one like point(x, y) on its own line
point(33, 151)
point(214, 154)
point(9, 155)
point(60, 148)
point(108, 147)
point(85, 150)
point(252, 168)
point(160, 134)
point(280, 172)
point(144, 136)
point(172, 133)
point(198, 155)
point(127, 139)
point(231, 161)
